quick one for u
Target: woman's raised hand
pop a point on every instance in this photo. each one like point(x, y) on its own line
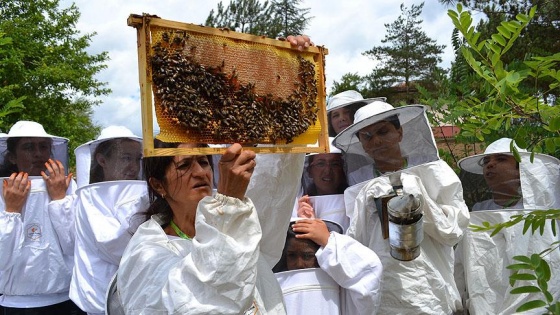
point(57, 182)
point(236, 168)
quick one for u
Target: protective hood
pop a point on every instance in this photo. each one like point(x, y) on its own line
point(325, 168)
point(85, 153)
point(418, 139)
point(309, 291)
point(31, 129)
point(539, 179)
point(348, 98)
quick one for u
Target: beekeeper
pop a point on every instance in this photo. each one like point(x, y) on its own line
point(36, 221)
point(314, 271)
point(401, 143)
point(323, 184)
point(109, 196)
point(512, 184)
point(206, 252)
point(512, 188)
point(341, 109)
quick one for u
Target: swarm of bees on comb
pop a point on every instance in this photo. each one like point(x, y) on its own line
point(204, 100)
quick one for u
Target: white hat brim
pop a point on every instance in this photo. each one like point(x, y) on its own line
point(471, 163)
point(404, 113)
point(365, 101)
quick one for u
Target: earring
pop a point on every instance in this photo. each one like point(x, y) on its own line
point(163, 196)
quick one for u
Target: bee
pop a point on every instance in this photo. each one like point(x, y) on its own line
point(165, 37)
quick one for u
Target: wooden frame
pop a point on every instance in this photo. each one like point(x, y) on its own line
point(142, 23)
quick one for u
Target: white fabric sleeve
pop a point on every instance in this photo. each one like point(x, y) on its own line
point(273, 188)
point(446, 215)
point(355, 268)
point(62, 216)
point(215, 274)
point(111, 229)
point(11, 238)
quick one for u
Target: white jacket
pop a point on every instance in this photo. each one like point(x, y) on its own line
point(36, 249)
point(426, 284)
point(482, 259)
point(357, 270)
point(214, 273)
point(227, 267)
point(347, 282)
point(486, 258)
point(106, 218)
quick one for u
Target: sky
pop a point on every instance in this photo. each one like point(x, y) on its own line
point(345, 28)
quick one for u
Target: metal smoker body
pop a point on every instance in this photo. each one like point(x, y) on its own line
point(405, 226)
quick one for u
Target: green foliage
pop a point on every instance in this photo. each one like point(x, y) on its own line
point(410, 57)
point(48, 69)
point(288, 18)
point(277, 18)
point(349, 81)
point(534, 268)
point(510, 100)
point(246, 16)
point(10, 104)
point(506, 109)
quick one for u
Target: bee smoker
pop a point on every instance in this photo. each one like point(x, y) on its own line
point(405, 225)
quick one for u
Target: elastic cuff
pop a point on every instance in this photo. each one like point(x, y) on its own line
point(225, 199)
point(12, 214)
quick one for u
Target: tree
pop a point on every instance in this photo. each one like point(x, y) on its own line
point(245, 16)
point(288, 19)
point(506, 108)
point(410, 57)
point(349, 81)
point(10, 104)
point(541, 37)
point(271, 19)
point(47, 63)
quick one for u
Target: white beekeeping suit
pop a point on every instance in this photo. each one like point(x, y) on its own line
point(346, 282)
point(484, 258)
point(197, 288)
point(424, 285)
point(36, 245)
point(107, 212)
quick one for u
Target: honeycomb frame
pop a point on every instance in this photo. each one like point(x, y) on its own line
point(193, 41)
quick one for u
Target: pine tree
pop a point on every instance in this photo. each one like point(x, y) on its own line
point(409, 57)
point(271, 19)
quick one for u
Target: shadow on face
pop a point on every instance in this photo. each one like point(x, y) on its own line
point(501, 172)
point(29, 154)
point(300, 254)
point(381, 141)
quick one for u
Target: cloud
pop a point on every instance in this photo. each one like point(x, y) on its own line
point(345, 28)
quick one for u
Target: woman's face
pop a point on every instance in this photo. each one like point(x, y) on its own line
point(381, 140)
point(327, 172)
point(300, 255)
point(341, 118)
point(187, 180)
point(123, 163)
point(31, 154)
point(501, 172)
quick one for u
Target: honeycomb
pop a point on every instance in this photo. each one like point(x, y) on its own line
point(221, 87)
